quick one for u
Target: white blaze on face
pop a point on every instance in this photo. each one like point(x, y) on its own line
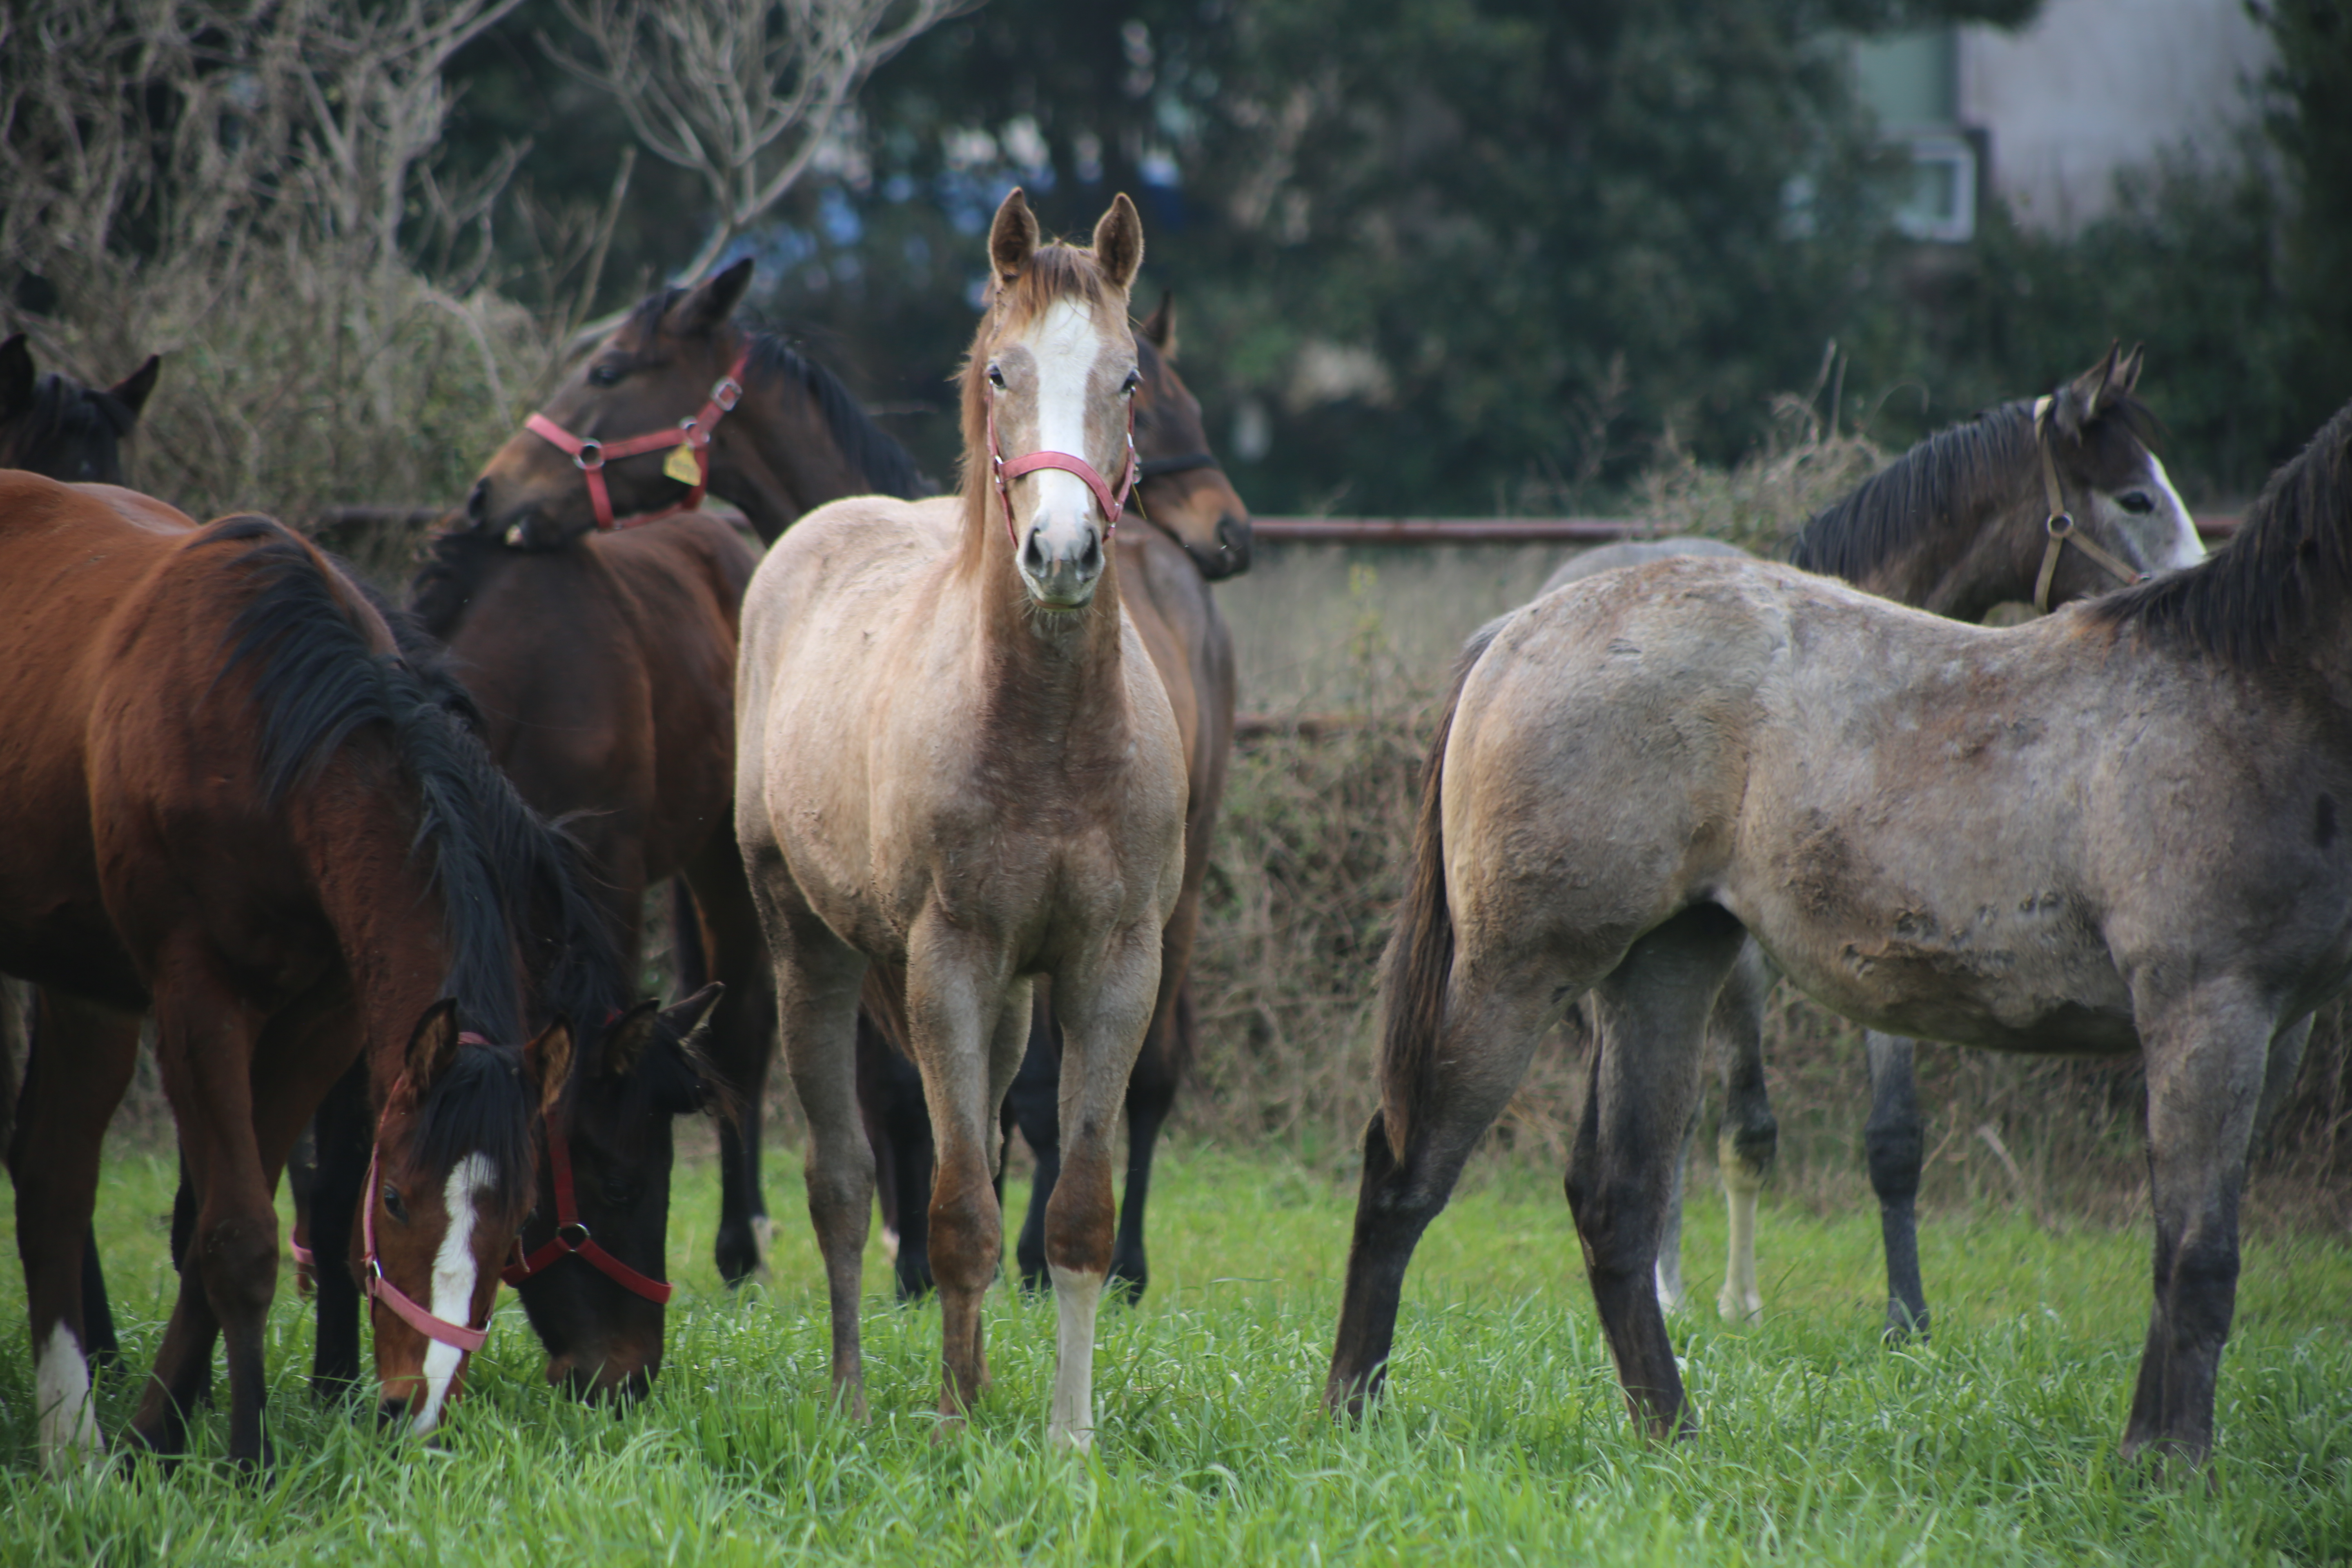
point(1064, 345)
point(2188, 548)
point(1076, 1297)
point(69, 1417)
point(453, 1282)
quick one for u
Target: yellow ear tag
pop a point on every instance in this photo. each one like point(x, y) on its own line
point(681, 466)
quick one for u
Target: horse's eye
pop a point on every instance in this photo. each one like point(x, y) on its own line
point(1134, 380)
point(392, 1206)
point(2136, 503)
point(604, 375)
point(996, 378)
point(620, 1191)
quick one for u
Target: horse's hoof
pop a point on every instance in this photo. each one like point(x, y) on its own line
point(1741, 1311)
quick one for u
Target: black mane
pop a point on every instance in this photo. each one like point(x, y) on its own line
point(2262, 594)
point(509, 883)
point(868, 448)
point(1954, 473)
point(71, 433)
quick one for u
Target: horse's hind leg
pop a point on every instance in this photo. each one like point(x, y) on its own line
point(1750, 1136)
point(1670, 1234)
point(1494, 1021)
point(1653, 1012)
point(1894, 1139)
point(74, 1079)
point(1033, 1103)
point(2205, 1066)
point(1150, 1096)
point(717, 917)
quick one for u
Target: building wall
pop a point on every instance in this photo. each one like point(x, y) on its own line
point(2093, 86)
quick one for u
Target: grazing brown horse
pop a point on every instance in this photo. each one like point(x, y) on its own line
point(955, 763)
point(237, 803)
point(1961, 522)
point(791, 437)
point(53, 425)
point(2116, 828)
point(1199, 533)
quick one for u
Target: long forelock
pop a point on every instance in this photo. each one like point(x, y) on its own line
point(481, 1104)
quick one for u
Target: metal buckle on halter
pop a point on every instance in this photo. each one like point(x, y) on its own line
point(2061, 524)
point(582, 460)
point(574, 1235)
point(724, 392)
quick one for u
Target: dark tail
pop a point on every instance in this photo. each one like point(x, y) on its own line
point(1419, 963)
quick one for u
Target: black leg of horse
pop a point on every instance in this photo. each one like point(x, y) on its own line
point(1034, 1104)
point(717, 932)
point(343, 1133)
point(1895, 1142)
point(898, 1126)
point(1651, 1014)
point(1750, 1138)
point(1150, 1096)
point(97, 1337)
point(1670, 1234)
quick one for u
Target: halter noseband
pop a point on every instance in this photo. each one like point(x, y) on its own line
point(590, 454)
point(2061, 524)
point(571, 1238)
point(1006, 472)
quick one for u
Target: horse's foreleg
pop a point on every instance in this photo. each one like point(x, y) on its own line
point(1034, 1103)
point(717, 921)
point(1490, 1037)
point(1104, 1017)
point(1894, 1139)
point(343, 1139)
point(1750, 1136)
point(2205, 1068)
point(1652, 1015)
point(75, 1075)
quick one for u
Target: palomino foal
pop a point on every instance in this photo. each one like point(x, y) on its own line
point(956, 765)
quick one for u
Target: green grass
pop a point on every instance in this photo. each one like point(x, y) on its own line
point(1503, 1438)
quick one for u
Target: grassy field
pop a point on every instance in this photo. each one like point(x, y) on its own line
point(1504, 1439)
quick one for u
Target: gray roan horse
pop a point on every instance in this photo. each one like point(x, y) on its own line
point(2119, 827)
point(1958, 524)
point(956, 765)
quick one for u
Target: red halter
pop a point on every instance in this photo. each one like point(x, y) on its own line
point(571, 1238)
point(590, 454)
point(1112, 505)
point(379, 1289)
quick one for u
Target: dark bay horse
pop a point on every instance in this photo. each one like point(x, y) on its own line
point(1199, 533)
point(955, 764)
point(1958, 524)
point(2118, 827)
point(52, 424)
point(236, 803)
point(627, 716)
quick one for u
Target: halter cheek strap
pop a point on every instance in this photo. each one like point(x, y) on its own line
point(2061, 524)
point(590, 454)
point(1006, 472)
point(571, 1236)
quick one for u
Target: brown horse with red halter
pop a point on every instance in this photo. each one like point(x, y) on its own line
point(240, 803)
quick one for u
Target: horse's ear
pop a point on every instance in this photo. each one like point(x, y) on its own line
point(433, 1047)
point(1012, 237)
point(16, 376)
point(2128, 373)
point(1161, 326)
point(549, 1058)
point(2094, 388)
point(132, 389)
point(1119, 242)
point(626, 1042)
point(707, 305)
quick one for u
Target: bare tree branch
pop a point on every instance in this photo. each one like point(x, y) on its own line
point(742, 93)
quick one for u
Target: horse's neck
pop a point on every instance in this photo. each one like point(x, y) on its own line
point(780, 458)
point(1960, 568)
point(1053, 680)
point(377, 896)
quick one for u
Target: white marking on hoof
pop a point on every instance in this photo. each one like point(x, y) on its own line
point(763, 1235)
point(69, 1439)
point(889, 1245)
point(1740, 1301)
point(1075, 1298)
point(453, 1283)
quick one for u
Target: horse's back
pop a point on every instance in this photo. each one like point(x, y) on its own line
point(1636, 553)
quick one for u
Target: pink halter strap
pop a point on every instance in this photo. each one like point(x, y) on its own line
point(590, 454)
point(1006, 472)
point(379, 1289)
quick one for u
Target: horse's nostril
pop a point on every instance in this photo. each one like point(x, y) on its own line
point(478, 501)
point(1033, 555)
point(1093, 556)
